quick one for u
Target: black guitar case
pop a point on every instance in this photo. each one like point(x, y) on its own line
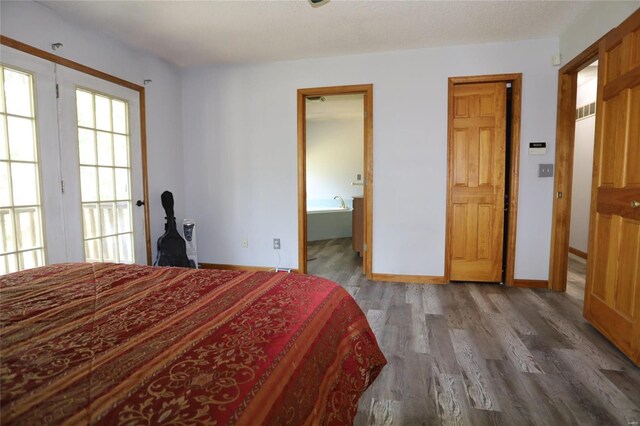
point(172, 249)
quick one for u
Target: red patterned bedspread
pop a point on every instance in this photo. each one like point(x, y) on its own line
point(115, 344)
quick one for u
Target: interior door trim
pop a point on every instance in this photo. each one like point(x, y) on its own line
point(364, 89)
point(516, 86)
point(563, 181)
point(18, 45)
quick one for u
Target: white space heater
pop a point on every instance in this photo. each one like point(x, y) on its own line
point(189, 232)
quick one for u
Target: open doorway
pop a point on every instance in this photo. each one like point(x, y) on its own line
point(584, 138)
point(335, 187)
point(335, 184)
point(572, 118)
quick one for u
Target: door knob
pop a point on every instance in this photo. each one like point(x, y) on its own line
point(635, 204)
point(139, 203)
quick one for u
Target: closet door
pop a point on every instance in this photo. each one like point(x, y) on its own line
point(101, 168)
point(31, 219)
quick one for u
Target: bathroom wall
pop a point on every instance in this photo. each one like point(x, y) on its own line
point(335, 155)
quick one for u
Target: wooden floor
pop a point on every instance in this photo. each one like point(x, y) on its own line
point(484, 354)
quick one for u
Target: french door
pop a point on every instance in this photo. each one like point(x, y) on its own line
point(101, 166)
point(70, 167)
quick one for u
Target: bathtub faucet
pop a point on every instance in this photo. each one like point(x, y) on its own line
point(342, 203)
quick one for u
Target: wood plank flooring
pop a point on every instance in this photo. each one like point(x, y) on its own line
point(483, 354)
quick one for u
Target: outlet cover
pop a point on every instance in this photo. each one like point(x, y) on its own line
point(545, 170)
point(276, 243)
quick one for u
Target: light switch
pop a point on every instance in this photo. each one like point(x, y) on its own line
point(545, 170)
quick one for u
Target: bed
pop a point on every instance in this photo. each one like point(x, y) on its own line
point(129, 344)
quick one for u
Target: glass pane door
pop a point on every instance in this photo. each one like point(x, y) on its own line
point(101, 146)
point(21, 235)
point(31, 225)
point(105, 177)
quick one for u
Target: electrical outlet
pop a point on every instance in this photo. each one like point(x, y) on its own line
point(545, 170)
point(276, 243)
point(245, 243)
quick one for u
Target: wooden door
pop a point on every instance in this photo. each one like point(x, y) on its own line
point(477, 181)
point(612, 299)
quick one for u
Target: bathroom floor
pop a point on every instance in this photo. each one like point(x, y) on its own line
point(334, 259)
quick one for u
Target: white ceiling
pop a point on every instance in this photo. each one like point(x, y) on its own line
point(188, 33)
point(335, 107)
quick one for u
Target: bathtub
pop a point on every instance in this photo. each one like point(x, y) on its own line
point(325, 223)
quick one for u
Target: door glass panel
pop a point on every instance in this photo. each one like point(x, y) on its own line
point(30, 259)
point(24, 177)
point(21, 233)
point(87, 146)
point(124, 216)
point(109, 247)
point(108, 214)
point(126, 247)
point(84, 104)
point(2, 91)
point(8, 264)
point(89, 184)
point(22, 143)
point(8, 242)
point(119, 116)
point(105, 178)
point(122, 184)
point(4, 146)
point(92, 249)
point(91, 220)
point(105, 149)
point(103, 113)
point(5, 186)
point(18, 92)
point(28, 225)
point(105, 183)
point(121, 150)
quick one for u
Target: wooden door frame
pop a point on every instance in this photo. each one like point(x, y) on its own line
point(363, 89)
point(26, 48)
point(516, 102)
point(563, 181)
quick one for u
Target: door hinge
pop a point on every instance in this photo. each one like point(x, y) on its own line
point(364, 246)
point(57, 91)
point(559, 194)
point(62, 186)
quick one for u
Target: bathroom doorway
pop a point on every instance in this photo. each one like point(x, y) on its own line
point(334, 169)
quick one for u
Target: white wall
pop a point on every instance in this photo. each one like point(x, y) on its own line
point(241, 122)
point(582, 169)
point(335, 155)
point(38, 26)
point(595, 21)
